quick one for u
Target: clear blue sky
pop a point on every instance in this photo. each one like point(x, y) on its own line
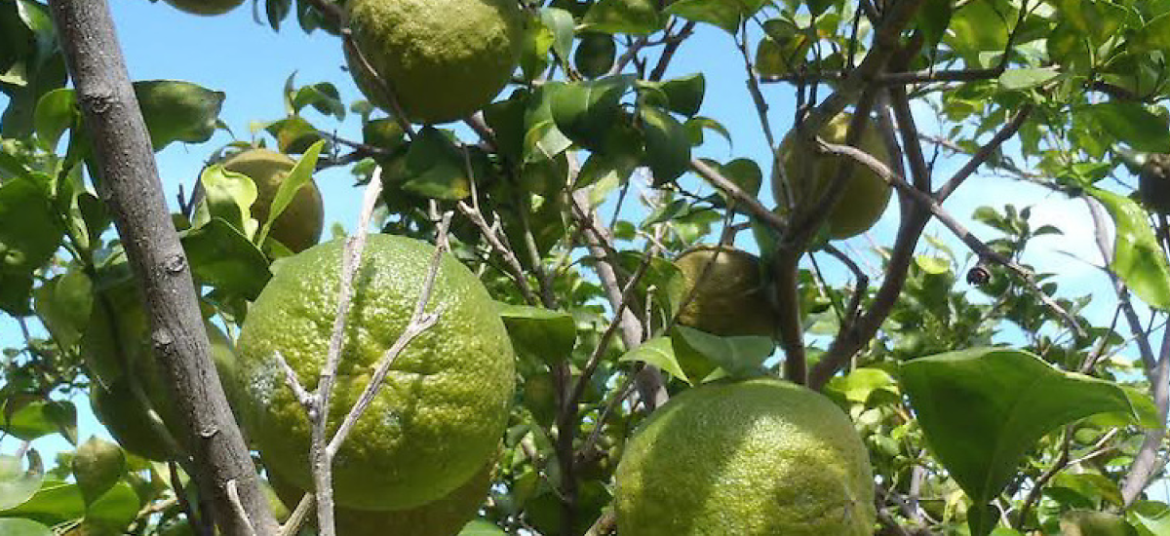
point(250, 62)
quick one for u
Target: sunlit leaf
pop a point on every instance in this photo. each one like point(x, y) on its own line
point(18, 484)
point(659, 352)
point(543, 333)
point(1137, 259)
point(221, 256)
point(301, 175)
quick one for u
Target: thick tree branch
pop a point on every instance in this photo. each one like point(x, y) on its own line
point(129, 183)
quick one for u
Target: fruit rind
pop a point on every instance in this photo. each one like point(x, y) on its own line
point(205, 7)
point(752, 458)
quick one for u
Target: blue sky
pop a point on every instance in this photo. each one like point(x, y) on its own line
point(250, 62)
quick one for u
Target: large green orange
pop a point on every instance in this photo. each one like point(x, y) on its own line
point(442, 517)
point(442, 409)
point(299, 226)
point(731, 299)
point(866, 195)
point(445, 59)
point(205, 7)
point(754, 458)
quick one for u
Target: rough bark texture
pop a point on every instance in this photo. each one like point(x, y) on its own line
point(129, 184)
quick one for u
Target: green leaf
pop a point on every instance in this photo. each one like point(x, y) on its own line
point(932, 265)
point(859, 385)
point(293, 134)
point(548, 335)
point(745, 173)
point(542, 139)
point(696, 125)
point(17, 484)
point(668, 147)
point(1137, 259)
point(723, 14)
point(63, 304)
point(29, 420)
point(383, 133)
point(97, 466)
point(659, 352)
point(983, 409)
point(595, 54)
point(739, 357)
point(300, 175)
point(635, 17)
point(1019, 79)
point(560, 22)
point(1152, 516)
point(56, 112)
point(221, 256)
point(228, 196)
point(682, 95)
point(53, 503)
point(30, 231)
point(480, 527)
point(23, 527)
point(15, 292)
point(436, 167)
point(586, 111)
point(1133, 124)
point(1154, 35)
point(178, 111)
point(114, 510)
point(323, 97)
point(615, 167)
point(1099, 21)
point(535, 45)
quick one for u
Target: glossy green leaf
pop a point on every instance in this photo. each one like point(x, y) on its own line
point(29, 420)
point(668, 148)
point(56, 112)
point(684, 95)
point(228, 196)
point(323, 97)
point(23, 527)
point(178, 111)
point(436, 168)
point(726, 15)
point(542, 140)
point(301, 175)
point(561, 24)
point(63, 304)
point(587, 111)
point(1151, 516)
point(659, 352)
point(53, 503)
point(1133, 124)
point(221, 256)
point(18, 484)
point(982, 409)
point(739, 357)
point(1137, 259)
point(634, 17)
point(97, 465)
point(696, 125)
point(294, 135)
point(114, 510)
point(30, 231)
point(860, 384)
point(1018, 79)
point(545, 334)
point(480, 527)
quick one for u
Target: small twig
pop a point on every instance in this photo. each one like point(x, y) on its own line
point(514, 268)
point(984, 153)
point(619, 395)
point(238, 507)
point(299, 515)
point(748, 201)
point(604, 524)
point(306, 399)
point(384, 85)
point(1057, 466)
point(672, 44)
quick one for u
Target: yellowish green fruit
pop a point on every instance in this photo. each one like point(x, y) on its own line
point(755, 458)
point(731, 299)
point(205, 7)
point(866, 195)
point(440, 412)
point(444, 516)
point(299, 226)
point(1094, 523)
point(126, 418)
point(444, 59)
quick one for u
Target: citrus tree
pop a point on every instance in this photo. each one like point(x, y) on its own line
point(554, 315)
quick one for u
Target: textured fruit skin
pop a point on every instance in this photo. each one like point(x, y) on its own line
point(445, 59)
point(205, 7)
point(866, 195)
point(755, 458)
point(731, 300)
point(442, 517)
point(444, 405)
point(1154, 183)
point(127, 420)
point(299, 226)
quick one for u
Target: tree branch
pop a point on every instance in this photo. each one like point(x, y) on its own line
point(129, 183)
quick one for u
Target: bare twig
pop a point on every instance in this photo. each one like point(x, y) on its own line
point(238, 507)
point(514, 269)
point(299, 515)
point(1057, 466)
point(984, 153)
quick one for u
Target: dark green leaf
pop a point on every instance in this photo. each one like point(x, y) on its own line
point(542, 139)
point(436, 168)
point(595, 54)
point(221, 256)
point(1133, 124)
point(114, 510)
point(659, 352)
point(982, 409)
point(545, 334)
point(587, 111)
point(739, 357)
point(293, 134)
point(63, 304)
point(561, 24)
point(30, 232)
point(624, 16)
point(683, 95)
point(1154, 35)
point(384, 134)
point(696, 125)
point(323, 97)
point(17, 484)
point(1137, 259)
point(55, 113)
point(668, 147)
point(724, 14)
point(97, 466)
point(178, 111)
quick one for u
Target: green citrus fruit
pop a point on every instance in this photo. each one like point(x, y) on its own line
point(440, 412)
point(444, 59)
point(752, 458)
point(442, 517)
point(731, 299)
point(595, 54)
point(1094, 523)
point(302, 221)
point(866, 194)
point(205, 7)
point(125, 417)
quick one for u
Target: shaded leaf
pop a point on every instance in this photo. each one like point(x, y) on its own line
point(1133, 124)
point(221, 256)
point(546, 334)
point(53, 503)
point(23, 527)
point(114, 510)
point(63, 304)
point(436, 167)
point(30, 231)
point(723, 14)
point(56, 112)
point(634, 17)
point(668, 148)
point(178, 111)
point(1018, 79)
point(560, 22)
point(739, 357)
point(29, 420)
point(586, 111)
point(480, 527)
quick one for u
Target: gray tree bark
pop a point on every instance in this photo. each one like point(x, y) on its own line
point(129, 183)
